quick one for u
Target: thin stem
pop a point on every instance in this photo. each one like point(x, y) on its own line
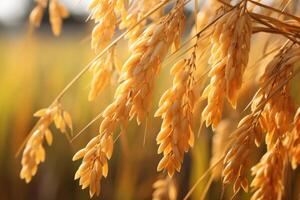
point(272, 27)
point(206, 173)
point(275, 10)
point(196, 10)
point(208, 184)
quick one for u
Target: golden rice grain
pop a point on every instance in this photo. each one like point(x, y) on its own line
point(175, 108)
point(94, 164)
point(57, 12)
point(141, 68)
point(103, 13)
point(276, 118)
point(236, 162)
point(229, 58)
point(102, 69)
point(271, 113)
point(34, 152)
point(133, 95)
point(164, 189)
point(36, 15)
point(268, 182)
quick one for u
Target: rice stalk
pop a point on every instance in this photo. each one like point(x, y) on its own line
point(230, 27)
point(229, 59)
point(132, 96)
point(34, 152)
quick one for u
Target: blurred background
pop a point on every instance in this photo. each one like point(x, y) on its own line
point(34, 67)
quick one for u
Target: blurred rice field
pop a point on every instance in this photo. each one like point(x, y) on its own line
point(33, 70)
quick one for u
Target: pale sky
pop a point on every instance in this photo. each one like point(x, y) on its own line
point(12, 11)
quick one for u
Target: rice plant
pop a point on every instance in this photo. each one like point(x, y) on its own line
point(213, 69)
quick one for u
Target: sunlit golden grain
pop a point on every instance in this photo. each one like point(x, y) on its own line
point(218, 49)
